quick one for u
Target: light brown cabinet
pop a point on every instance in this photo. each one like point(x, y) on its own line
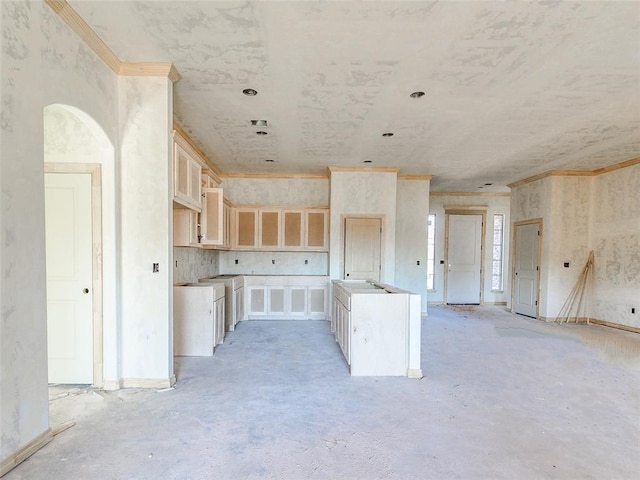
point(186, 229)
point(212, 217)
point(316, 229)
point(186, 178)
point(246, 234)
point(281, 229)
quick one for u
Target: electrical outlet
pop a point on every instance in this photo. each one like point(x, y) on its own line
point(273, 262)
point(236, 261)
point(306, 262)
point(633, 310)
point(156, 267)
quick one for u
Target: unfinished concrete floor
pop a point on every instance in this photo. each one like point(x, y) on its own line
point(504, 397)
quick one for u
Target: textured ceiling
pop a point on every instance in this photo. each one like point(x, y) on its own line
point(513, 89)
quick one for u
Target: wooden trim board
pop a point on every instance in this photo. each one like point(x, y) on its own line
point(415, 177)
point(95, 43)
point(468, 194)
point(311, 176)
point(576, 173)
point(25, 452)
point(363, 169)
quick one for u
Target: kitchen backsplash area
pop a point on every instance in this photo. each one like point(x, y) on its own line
point(190, 264)
point(273, 263)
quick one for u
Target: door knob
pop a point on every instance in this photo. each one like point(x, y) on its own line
point(85, 290)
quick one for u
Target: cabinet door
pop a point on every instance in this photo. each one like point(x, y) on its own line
point(317, 301)
point(227, 226)
point(246, 227)
point(269, 229)
point(212, 217)
point(276, 301)
point(257, 300)
point(185, 228)
point(181, 162)
point(292, 229)
point(239, 305)
point(219, 320)
point(195, 187)
point(317, 229)
point(298, 301)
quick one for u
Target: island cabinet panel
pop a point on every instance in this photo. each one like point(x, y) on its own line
point(377, 328)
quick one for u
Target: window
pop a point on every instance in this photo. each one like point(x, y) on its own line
point(498, 252)
point(431, 251)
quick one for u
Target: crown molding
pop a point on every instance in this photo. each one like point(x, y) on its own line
point(470, 194)
point(184, 136)
point(95, 43)
point(364, 169)
point(308, 176)
point(415, 177)
point(576, 173)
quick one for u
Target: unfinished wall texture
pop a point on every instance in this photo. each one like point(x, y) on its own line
point(615, 240)
point(580, 214)
point(369, 193)
point(43, 62)
point(498, 204)
point(193, 263)
point(412, 218)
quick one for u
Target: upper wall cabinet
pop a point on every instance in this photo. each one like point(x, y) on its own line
point(187, 169)
point(212, 217)
point(274, 228)
point(316, 229)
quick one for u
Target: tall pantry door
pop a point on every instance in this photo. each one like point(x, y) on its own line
point(362, 248)
point(69, 277)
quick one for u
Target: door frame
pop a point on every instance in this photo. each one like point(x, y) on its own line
point(464, 210)
point(343, 239)
point(514, 251)
point(95, 171)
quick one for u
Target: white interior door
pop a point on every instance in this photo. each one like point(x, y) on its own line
point(464, 259)
point(69, 278)
point(525, 281)
point(362, 247)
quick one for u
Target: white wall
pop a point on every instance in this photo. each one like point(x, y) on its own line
point(412, 218)
point(615, 239)
point(274, 263)
point(495, 205)
point(277, 191)
point(42, 62)
point(363, 192)
point(146, 217)
point(580, 214)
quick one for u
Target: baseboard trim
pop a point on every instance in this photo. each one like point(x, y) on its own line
point(414, 373)
point(25, 452)
point(604, 323)
point(592, 321)
point(140, 383)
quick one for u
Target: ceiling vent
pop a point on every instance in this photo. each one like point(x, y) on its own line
point(259, 123)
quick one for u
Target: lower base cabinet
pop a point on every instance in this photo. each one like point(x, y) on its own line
point(286, 298)
point(198, 318)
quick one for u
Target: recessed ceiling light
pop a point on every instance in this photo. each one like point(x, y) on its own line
point(387, 134)
point(259, 123)
point(417, 95)
point(261, 132)
point(250, 92)
point(488, 184)
point(270, 160)
point(367, 161)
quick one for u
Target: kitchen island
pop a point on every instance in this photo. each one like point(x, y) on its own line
point(377, 327)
